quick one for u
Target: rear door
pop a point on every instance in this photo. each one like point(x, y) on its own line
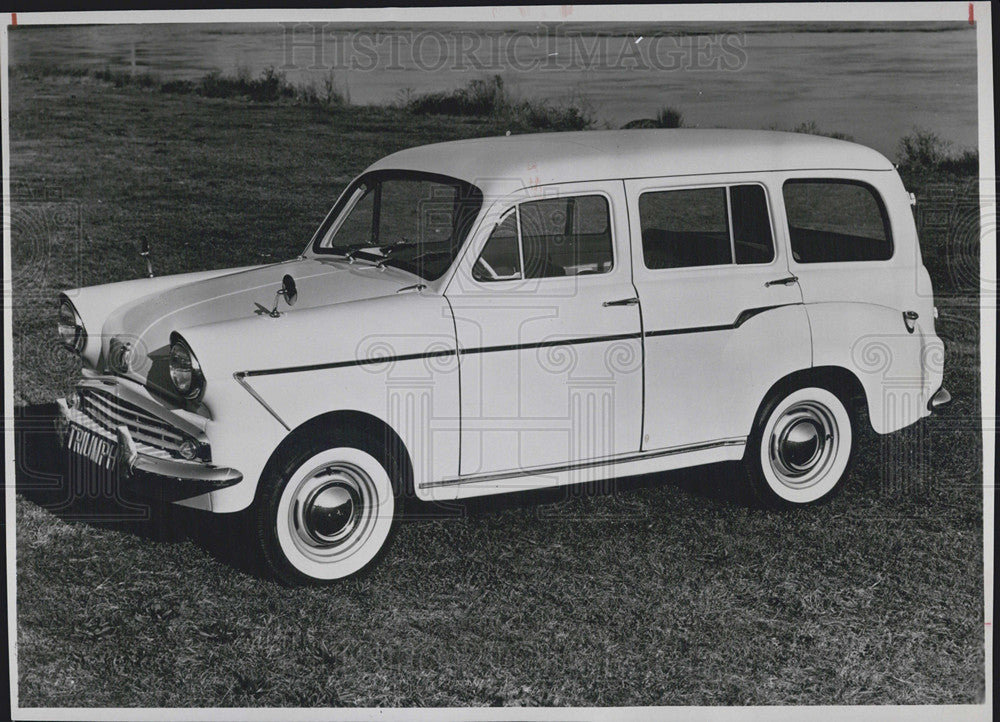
point(722, 315)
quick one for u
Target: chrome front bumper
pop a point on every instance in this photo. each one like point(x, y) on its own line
point(143, 469)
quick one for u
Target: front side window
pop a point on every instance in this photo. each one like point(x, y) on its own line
point(554, 237)
point(697, 227)
point(566, 236)
point(414, 221)
point(834, 220)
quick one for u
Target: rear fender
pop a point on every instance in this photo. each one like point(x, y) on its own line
point(898, 369)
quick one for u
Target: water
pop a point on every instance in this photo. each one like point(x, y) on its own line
point(875, 85)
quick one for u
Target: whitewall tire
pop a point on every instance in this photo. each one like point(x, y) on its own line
point(801, 449)
point(326, 514)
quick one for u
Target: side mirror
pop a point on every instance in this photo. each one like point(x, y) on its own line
point(288, 290)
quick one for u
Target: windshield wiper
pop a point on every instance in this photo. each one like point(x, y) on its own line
point(364, 255)
point(368, 252)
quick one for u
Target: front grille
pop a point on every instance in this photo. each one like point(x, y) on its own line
point(80, 418)
point(110, 412)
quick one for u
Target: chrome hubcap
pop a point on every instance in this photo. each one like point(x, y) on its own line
point(333, 511)
point(329, 512)
point(800, 443)
point(803, 444)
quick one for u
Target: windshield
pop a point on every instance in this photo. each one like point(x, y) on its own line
point(409, 220)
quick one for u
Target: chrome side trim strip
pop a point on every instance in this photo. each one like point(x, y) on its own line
point(742, 318)
point(550, 344)
point(240, 377)
point(587, 464)
point(341, 364)
point(440, 354)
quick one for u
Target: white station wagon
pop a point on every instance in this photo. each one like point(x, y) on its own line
point(487, 316)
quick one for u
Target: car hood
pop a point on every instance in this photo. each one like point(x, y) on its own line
point(147, 322)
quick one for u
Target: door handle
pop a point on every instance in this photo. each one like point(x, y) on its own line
point(783, 281)
point(623, 302)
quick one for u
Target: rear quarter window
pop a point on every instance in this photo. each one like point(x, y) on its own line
point(832, 220)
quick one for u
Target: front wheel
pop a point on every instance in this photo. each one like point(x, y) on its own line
point(328, 510)
point(801, 449)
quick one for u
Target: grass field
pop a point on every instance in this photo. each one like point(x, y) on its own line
point(661, 590)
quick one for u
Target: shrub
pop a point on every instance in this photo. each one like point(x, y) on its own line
point(268, 87)
point(966, 163)
point(48, 70)
point(669, 118)
point(490, 98)
point(481, 97)
point(640, 123)
point(214, 85)
point(923, 154)
point(177, 86)
point(121, 78)
point(329, 95)
point(811, 128)
point(921, 151)
point(666, 117)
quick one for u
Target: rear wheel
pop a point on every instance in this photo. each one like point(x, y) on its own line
point(328, 509)
point(801, 449)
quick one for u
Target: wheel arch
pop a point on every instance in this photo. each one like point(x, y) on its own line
point(837, 379)
point(359, 420)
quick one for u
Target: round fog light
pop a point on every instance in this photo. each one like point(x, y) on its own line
point(189, 449)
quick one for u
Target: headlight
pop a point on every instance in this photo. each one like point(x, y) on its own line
point(71, 330)
point(185, 371)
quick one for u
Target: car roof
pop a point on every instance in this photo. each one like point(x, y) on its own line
point(506, 163)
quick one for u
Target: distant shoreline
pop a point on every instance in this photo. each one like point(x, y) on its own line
point(921, 155)
point(875, 81)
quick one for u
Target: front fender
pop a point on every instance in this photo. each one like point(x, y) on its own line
point(393, 358)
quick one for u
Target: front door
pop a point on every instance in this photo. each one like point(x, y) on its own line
point(549, 333)
point(722, 316)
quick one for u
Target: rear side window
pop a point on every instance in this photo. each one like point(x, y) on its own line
point(705, 227)
point(833, 220)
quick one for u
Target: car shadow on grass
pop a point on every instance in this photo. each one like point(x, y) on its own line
point(44, 476)
point(712, 483)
